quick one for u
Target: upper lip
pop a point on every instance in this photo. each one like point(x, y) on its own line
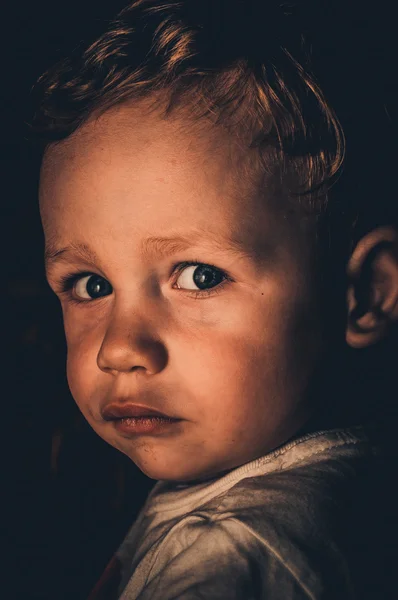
point(111, 412)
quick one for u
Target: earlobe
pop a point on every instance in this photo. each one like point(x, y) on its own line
point(372, 293)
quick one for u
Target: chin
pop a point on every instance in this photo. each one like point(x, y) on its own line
point(163, 470)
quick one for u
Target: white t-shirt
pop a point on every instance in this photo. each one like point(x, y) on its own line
point(266, 530)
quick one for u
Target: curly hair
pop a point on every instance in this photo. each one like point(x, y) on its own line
point(242, 63)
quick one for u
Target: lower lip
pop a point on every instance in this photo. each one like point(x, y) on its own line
point(142, 425)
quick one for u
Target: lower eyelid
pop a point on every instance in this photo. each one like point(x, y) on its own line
point(217, 289)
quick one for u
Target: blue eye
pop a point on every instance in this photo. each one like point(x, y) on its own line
point(92, 287)
point(199, 276)
point(86, 286)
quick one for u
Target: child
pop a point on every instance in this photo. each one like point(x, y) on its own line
point(212, 287)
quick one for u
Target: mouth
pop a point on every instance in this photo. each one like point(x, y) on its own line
point(133, 419)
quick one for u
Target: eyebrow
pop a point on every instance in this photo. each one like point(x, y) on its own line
point(150, 248)
point(53, 253)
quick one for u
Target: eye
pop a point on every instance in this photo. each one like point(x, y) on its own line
point(200, 276)
point(91, 287)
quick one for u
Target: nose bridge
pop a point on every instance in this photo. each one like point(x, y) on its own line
point(131, 342)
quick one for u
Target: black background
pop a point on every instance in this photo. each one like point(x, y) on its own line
point(69, 496)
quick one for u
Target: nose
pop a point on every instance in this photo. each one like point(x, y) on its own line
point(128, 345)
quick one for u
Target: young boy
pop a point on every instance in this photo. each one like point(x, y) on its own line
point(212, 286)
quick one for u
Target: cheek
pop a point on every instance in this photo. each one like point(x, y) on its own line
point(231, 358)
point(256, 355)
point(83, 344)
point(80, 373)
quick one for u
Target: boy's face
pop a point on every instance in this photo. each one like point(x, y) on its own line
point(227, 350)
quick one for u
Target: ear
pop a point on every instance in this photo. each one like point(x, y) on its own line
point(372, 294)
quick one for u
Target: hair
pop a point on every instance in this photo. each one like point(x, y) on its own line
point(243, 62)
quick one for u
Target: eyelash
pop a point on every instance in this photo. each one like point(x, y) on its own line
point(67, 281)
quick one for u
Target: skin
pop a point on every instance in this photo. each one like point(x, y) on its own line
point(234, 364)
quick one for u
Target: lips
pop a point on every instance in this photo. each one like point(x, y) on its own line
point(113, 412)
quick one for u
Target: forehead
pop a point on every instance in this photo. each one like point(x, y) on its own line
point(132, 132)
point(132, 171)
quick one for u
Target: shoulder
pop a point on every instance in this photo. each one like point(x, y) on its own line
point(218, 557)
point(310, 517)
point(315, 483)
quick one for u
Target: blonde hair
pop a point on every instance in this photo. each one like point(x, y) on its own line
point(243, 62)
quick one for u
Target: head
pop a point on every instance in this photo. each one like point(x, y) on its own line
point(185, 196)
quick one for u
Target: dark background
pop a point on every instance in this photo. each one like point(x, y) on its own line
point(69, 496)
